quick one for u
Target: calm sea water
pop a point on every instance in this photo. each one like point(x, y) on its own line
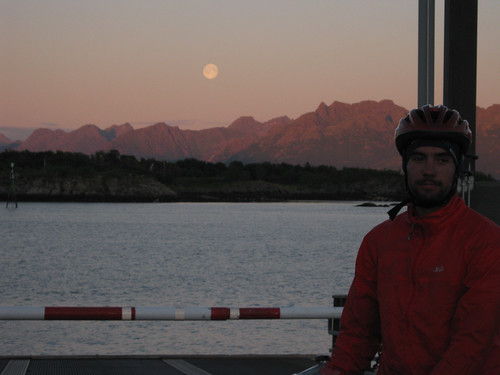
point(182, 254)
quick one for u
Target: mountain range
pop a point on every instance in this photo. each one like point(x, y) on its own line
point(340, 135)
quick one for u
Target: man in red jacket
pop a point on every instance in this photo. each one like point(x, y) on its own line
point(427, 283)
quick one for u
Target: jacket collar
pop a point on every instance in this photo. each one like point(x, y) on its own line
point(443, 216)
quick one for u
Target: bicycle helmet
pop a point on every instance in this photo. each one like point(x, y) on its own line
point(433, 123)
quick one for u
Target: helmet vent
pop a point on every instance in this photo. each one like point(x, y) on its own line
point(435, 113)
point(421, 114)
point(448, 115)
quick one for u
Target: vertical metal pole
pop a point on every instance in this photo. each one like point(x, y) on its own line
point(460, 62)
point(426, 17)
point(12, 196)
point(339, 300)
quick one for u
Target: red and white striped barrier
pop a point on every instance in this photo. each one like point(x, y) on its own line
point(166, 313)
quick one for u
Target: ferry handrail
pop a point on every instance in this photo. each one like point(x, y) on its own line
point(166, 313)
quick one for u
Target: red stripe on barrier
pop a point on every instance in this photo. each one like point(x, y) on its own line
point(133, 313)
point(220, 313)
point(260, 313)
point(83, 313)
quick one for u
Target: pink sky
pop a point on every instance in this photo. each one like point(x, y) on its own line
point(68, 63)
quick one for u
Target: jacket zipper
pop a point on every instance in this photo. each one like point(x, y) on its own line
point(413, 264)
point(411, 231)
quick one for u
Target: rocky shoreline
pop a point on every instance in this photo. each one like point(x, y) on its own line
point(148, 189)
point(111, 177)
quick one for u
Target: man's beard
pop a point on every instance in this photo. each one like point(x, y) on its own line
point(428, 200)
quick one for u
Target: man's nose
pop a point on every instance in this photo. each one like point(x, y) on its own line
point(429, 167)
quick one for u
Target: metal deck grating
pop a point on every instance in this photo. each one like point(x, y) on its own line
point(100, 367)
point(16, 367)
point(183, 365)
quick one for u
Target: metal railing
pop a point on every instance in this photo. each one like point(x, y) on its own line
point(165, 313)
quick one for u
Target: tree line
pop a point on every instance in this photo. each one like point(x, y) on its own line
point(60, 164)
point(188, 174)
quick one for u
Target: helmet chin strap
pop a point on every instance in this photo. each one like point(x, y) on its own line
point(393, 212)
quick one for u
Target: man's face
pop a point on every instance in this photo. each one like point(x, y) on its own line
point(431, 174)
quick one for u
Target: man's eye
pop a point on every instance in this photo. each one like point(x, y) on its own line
point(445, 160)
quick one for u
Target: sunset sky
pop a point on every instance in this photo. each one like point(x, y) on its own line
point(67, 63)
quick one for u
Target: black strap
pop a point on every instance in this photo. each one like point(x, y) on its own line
point(393, 212)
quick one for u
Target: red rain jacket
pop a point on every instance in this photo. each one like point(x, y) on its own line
point(428, 288)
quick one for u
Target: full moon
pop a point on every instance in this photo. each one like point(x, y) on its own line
point(210, 71)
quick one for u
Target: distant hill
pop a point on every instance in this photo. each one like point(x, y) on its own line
point(339, 135)
point(4, 140)
point(488, 140)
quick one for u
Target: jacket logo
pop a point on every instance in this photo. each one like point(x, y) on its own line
point(438, 269)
